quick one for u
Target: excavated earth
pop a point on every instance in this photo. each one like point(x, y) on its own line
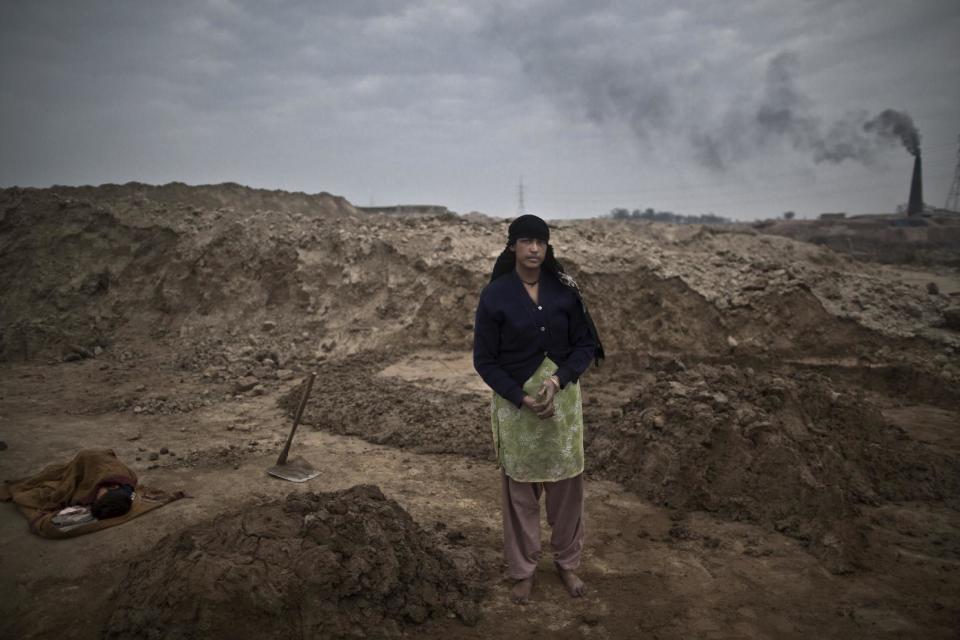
point(772, 443)
point(332, 565)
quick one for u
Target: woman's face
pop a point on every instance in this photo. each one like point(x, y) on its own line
point(530, 252)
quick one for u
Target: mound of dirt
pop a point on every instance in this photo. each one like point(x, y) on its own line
point(786, 451)
point(347, 564)
point(82, 263)
point(892, 239)
point(84, 267)
point(356, 401)
point(784, 447)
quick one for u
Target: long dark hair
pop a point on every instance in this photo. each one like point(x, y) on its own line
point(506, 262)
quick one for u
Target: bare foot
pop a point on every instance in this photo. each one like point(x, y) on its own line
point(520, 594)
point(574, 585)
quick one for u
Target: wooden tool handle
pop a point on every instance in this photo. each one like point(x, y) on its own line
point(296, 421)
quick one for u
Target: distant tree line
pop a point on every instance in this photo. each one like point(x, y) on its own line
point(667, 216)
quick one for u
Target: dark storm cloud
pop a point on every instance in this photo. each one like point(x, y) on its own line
point(222, 55)
point(113, 78)
point(455, 98)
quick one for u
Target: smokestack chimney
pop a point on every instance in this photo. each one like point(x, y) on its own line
point(915, 204)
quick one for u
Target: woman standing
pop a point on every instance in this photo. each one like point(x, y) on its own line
point(532, 340)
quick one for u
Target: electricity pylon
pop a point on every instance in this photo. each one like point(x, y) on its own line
point(521, 207)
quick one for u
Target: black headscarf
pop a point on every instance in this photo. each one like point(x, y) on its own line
point(528, 226)
point(531, 226)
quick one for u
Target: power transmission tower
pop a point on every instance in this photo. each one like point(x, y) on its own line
point(953, 197)
point(521, 207)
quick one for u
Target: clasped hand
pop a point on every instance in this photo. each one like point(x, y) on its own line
point(542, 405)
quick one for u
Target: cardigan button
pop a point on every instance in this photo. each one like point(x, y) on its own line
point(543, 328)
point(539, 308)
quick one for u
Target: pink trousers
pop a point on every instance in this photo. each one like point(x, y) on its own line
point(521, 523)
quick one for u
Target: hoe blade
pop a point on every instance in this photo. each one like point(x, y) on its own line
point(295, 470)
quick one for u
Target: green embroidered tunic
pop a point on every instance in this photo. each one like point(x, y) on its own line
point(531, 449)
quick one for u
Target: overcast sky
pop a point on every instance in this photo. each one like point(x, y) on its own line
point(745, 109)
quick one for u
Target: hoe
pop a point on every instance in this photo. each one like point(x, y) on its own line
point(298, 469)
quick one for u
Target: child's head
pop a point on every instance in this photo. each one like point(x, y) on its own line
point(111, 503)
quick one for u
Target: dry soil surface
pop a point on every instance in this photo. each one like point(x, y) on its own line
point(772, 444)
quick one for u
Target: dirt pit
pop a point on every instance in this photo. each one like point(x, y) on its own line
point(352, 563)
point(790, 450)
point(785, 447)
point(415, 403)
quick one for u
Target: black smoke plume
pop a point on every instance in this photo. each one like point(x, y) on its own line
point(569, 62)
point(896, 124)
point(784, 114)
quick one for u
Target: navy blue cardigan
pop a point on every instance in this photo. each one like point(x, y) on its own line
point(512, 335)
